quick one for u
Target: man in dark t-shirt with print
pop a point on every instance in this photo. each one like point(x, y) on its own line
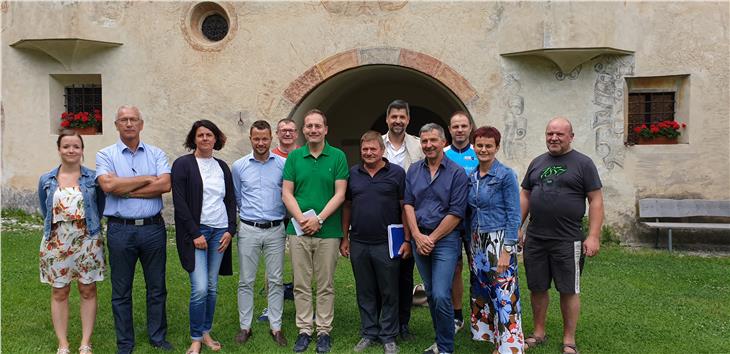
point(554, 191)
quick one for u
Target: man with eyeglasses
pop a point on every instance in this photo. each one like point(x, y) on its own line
point(134, 176)
point(286, 132)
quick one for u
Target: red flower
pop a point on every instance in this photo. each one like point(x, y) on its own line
point(64, 115)
point(684, 125)
point(65, 124)
point(637, 130)
point(85, 119)
point(654, 129)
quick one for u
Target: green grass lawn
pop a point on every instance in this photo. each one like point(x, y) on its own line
point(633, 302)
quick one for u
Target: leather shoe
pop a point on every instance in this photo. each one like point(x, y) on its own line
point(406, 334)
point(243, 336)
point(163, 345)
point(279, 338)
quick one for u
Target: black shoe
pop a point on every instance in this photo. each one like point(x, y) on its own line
point(302, 343)
point(406, 334)
point(289, 291)
point(324, 343)
point(163, 345)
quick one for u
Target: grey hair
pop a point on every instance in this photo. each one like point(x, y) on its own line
point(433, 126)
point(130, 107)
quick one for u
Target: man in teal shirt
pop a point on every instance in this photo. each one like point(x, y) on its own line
point(315, 178)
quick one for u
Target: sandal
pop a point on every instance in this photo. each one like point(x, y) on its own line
point(213, 345)
point(85, 349)
point(570, 346)
point(63, 351)
point(533, 341)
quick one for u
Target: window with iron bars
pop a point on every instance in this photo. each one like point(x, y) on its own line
point(648, 108)
point(83, 98)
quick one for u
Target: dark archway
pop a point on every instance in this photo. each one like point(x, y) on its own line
point(355, 101)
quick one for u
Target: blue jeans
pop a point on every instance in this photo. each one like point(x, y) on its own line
point(204, 283)
point(437, 272)
point(127, 244)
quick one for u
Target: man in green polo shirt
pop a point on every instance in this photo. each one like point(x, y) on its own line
point(315, 178)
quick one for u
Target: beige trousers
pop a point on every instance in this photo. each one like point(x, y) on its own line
point(318, 257)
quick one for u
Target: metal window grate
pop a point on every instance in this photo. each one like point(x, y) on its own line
point(215, 27)
point(83, 98)
point(647, 108)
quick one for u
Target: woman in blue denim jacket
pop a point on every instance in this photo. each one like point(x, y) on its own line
point(72, 248)
point(493, 219)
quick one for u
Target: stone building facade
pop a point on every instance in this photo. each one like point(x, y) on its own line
point(513, 65)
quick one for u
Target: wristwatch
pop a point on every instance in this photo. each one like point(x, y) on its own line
point(321, 221)
point(511, 249)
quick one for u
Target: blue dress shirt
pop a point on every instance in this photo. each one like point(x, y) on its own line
point(435, 198)
point(258, 188)
point(146, 161)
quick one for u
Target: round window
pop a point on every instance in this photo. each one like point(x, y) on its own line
point(209, 26)
point(215, 27)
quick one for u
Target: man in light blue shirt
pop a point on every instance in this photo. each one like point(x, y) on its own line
point(134, 176)
point(257, 178)
point(461, 152)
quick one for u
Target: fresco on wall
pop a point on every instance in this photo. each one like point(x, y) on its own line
point(572, 75)
point(515, 123)
point(608, 96)
point(356, 8)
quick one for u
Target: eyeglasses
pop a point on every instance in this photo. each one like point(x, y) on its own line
point(128, 120)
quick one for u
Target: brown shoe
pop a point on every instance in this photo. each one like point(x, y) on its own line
point(243, 336)
point(279, 338)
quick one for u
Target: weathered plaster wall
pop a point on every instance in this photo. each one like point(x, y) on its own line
point(277, 43)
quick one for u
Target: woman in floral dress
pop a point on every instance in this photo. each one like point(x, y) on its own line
point(493, 219)
point(72, 248)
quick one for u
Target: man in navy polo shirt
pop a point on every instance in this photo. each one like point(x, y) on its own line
point(372, 202)
point(434, 204)
point(461, 152)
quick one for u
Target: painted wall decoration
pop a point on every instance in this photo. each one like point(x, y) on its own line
point(515, 123)
point(356, 8)
point(572, 75)
point(608, 96)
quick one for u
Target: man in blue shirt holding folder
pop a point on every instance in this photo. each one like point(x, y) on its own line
point(372, 203)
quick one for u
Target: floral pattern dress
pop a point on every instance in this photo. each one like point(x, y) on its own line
point(496, 314)
point(69, 253)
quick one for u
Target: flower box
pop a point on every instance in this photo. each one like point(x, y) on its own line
point(660, 133)
point(86, 130)
point(658, 140)
point(86, 123)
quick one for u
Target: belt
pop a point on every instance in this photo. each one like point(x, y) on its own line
point(262, 225)
point(153, 220)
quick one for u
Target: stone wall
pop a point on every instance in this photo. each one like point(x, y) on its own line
point(277, 52)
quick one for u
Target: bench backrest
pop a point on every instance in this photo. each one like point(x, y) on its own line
point(677, 208)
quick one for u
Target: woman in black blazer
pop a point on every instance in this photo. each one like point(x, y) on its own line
point(205, 223)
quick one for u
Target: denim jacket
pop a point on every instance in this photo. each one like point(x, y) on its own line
point(93, 200)
point(494, 202)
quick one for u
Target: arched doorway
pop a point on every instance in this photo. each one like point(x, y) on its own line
point(354, 88)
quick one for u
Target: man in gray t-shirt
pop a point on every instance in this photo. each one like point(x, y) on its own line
point(554, 190)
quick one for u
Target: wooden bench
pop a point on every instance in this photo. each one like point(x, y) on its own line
point(683, 208)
